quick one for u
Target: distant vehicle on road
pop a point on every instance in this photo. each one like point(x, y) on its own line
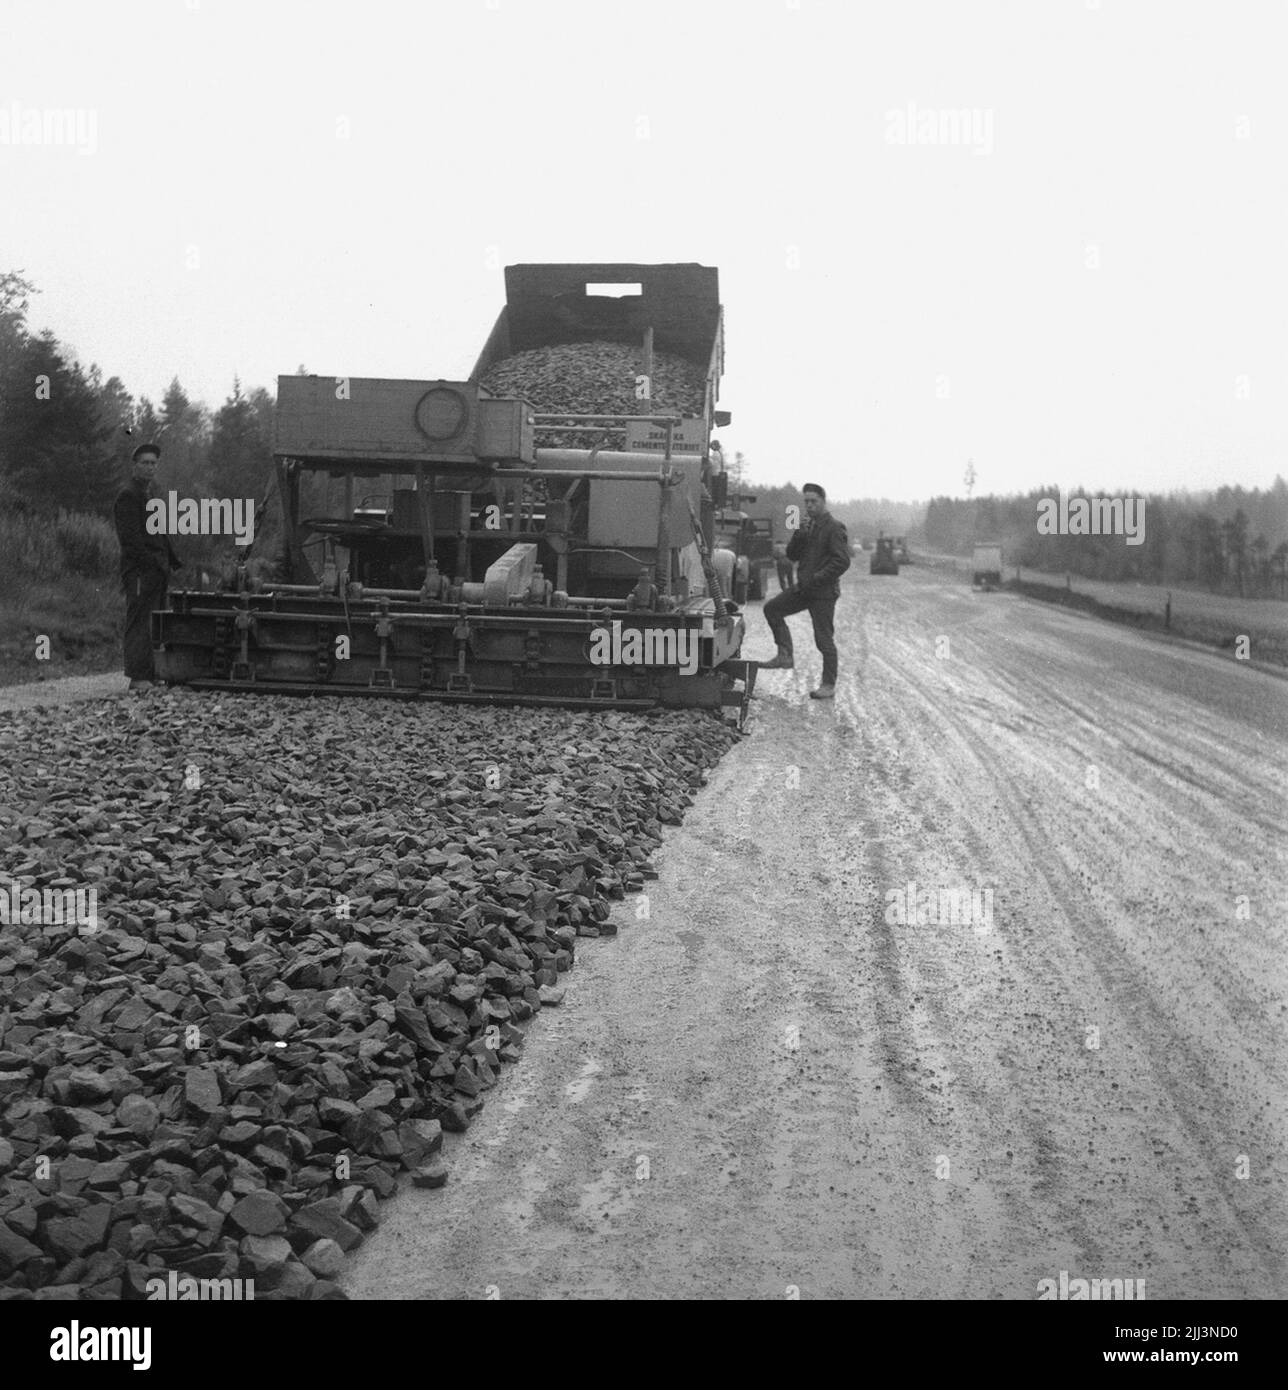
point(987, 565)
point(751, 539)
point(884, 560)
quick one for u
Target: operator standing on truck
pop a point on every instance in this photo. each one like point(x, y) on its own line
point(146, 562)
point(822, 550)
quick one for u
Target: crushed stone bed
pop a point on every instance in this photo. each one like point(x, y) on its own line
point(320, 928)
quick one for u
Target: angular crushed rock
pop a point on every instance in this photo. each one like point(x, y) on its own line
point(597, 378)
point(321, 926)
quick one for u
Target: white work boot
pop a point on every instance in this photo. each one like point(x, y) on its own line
point(824, 692)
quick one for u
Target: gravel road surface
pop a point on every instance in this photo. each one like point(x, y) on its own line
point(771, 1086)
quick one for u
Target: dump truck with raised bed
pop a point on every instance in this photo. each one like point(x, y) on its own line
point(540, 533)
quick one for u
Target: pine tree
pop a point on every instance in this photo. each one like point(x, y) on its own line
point(184, 437)
point(117, 414)
point(240, 451)
point(58, 452)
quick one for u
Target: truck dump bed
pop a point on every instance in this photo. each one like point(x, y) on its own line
point(549, 304)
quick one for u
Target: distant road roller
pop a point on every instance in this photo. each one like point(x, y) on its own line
point(445, 542)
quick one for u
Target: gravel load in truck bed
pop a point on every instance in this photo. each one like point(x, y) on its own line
point(597, 378)
point(318, 927)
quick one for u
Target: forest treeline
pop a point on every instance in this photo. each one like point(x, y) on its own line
point(67, 430)
point(1233, 540)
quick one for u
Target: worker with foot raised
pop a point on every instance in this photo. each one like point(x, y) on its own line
point(821, 550)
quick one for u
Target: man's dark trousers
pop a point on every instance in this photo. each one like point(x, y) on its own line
point(145, 590)
point(822, 610)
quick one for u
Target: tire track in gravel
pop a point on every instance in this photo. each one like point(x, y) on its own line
point(1118, 977)
point(1128, 992)
point(934, 971)
point(1136, 728)
point(910, 834)
point(1181, 828)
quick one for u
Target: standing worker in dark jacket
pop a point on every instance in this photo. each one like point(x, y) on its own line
point(146, 562)
point(821, 549)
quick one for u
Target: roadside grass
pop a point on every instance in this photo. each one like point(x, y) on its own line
point(1203, 618)
point(1215, 620)
point(58, 580)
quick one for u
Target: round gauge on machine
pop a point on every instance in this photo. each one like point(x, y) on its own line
point(442, 413)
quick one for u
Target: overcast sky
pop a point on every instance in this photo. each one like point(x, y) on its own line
point(1086, 285)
